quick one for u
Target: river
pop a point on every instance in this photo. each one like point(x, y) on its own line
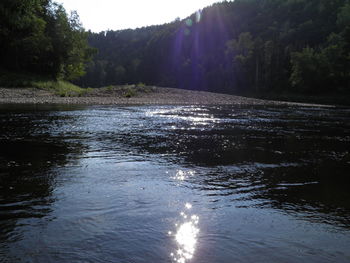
point(174, 184)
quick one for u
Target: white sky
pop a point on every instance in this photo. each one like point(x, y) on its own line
point(100, 15)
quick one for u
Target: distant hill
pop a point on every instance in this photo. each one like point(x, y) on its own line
point(300, 46)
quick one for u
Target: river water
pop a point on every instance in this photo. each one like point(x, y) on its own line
point(174, 184)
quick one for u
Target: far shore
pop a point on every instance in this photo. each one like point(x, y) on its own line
point(138, 96)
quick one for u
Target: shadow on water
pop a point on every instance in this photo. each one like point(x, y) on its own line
point(28, 155)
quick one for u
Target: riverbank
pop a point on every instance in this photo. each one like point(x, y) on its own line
point(132, 95)
point(340, 99)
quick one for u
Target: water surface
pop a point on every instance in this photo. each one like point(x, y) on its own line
point(174, 184)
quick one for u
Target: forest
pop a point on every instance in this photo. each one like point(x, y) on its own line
point(299, 46)
point(38, 37)
point(236, 47)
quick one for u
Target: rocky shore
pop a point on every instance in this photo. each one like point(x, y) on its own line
point(141, 96)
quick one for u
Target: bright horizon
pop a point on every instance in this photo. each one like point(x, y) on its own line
point(104, 15)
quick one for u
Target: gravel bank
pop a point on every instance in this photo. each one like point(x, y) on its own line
point(157, 96)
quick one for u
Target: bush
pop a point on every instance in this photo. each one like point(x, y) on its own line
point(60, 88)
point(130, 92)
point(25, 80)
point(141, 85)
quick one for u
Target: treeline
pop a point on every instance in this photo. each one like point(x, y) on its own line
point(240, 46)
point(39, 37)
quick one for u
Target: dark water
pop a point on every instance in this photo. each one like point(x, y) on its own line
point(174, 184)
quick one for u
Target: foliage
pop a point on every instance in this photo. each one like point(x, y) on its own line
point(240, 46)
point(61, 88)
point(26, 80)
point(38, 36)
point(343, 18)
point(308, 69)
point(11, 79)
point(130, 92)
point(328, 68)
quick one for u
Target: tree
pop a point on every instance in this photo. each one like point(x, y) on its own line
point(309, 70)
point(237, 46)
point(343, 17)
point(38, 36)
point(22, 33)
point(70, 49)
point(247, 54)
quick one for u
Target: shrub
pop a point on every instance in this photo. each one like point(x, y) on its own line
point(130, 92)
point(141, 85)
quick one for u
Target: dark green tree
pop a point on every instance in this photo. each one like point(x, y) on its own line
point(38, 36)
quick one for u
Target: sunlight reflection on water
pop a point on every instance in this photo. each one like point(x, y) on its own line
point(197, 116)
point(186, 236)
point(182, 175)
point(269, 184)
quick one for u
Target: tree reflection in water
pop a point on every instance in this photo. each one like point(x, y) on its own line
point(28, 157)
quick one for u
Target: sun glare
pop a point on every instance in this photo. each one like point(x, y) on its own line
point(186, 237)
point(120, 14)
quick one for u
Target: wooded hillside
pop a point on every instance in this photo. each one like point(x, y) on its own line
point(240, 46)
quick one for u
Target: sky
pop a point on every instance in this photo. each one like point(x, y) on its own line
point(101, 15)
